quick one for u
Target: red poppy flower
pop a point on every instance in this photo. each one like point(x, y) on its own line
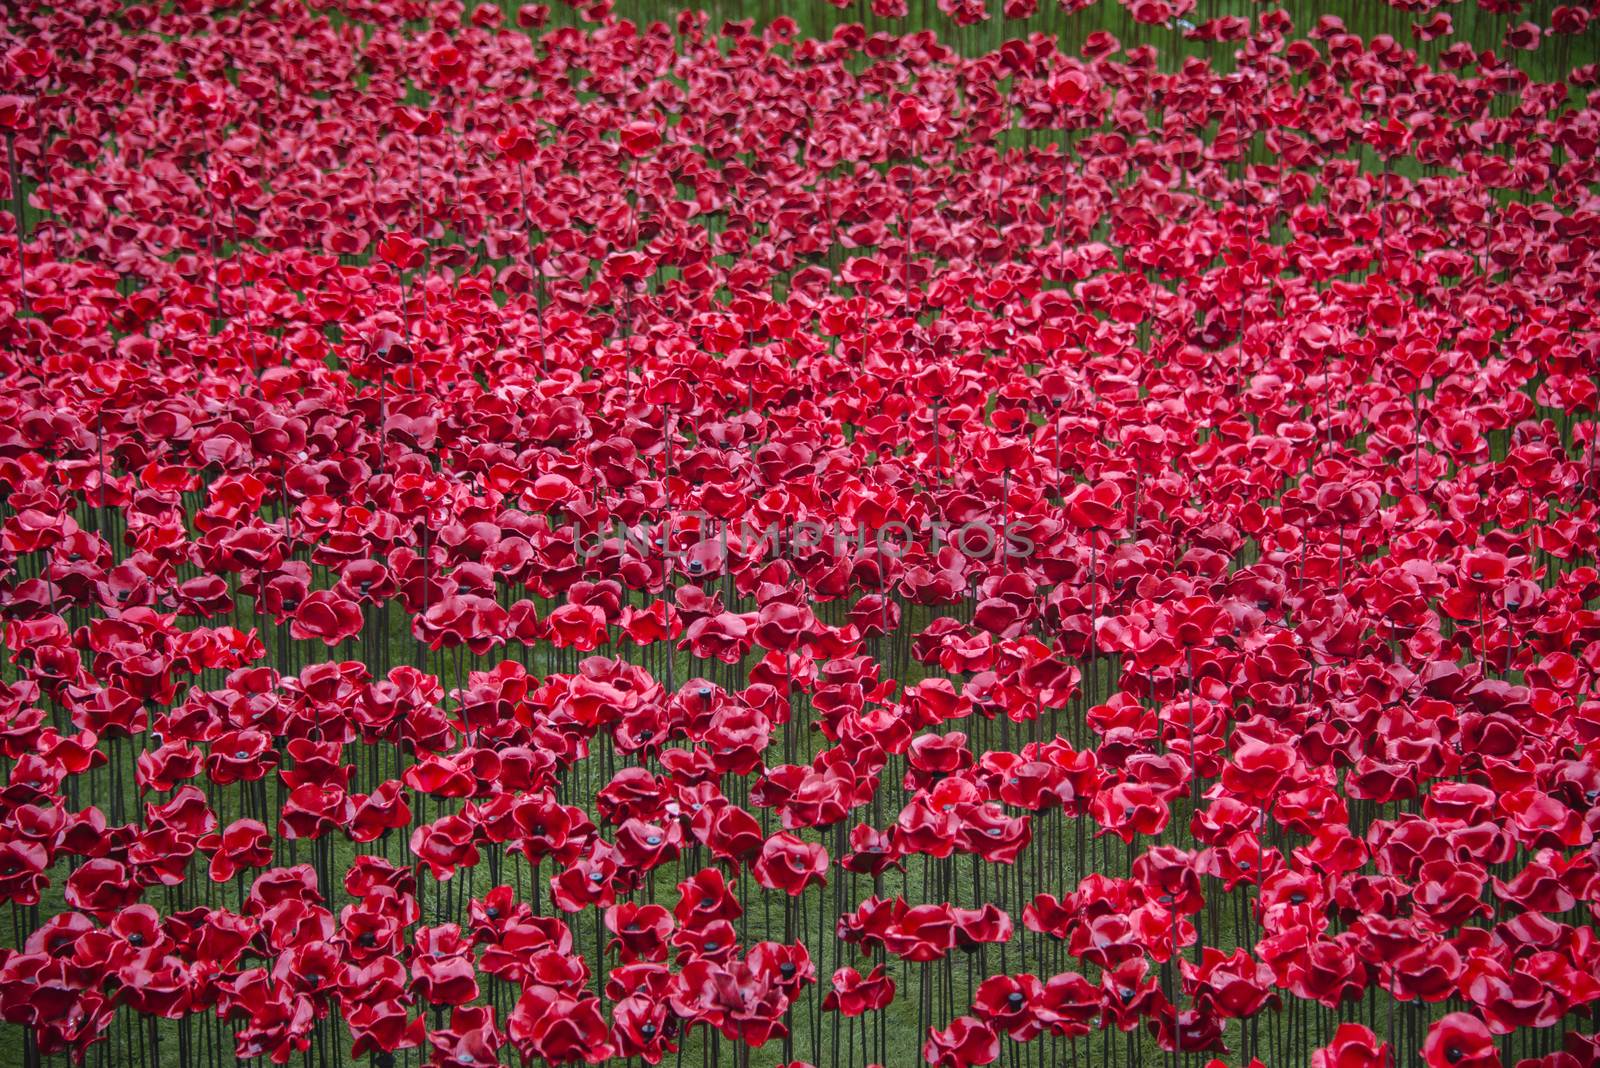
point(1459, 1039)
point(325, 615)
point(1069, 1004)
point(788, 864)
point(967, 1041)
point(853, 994)
point(471, 1039)
point(557, 1028)
point(444, 845)
point(640, 932)
point(245, 843)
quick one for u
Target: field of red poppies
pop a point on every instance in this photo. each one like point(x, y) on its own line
point(1039, 533)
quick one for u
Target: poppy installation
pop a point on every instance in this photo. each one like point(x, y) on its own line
point(417, 417)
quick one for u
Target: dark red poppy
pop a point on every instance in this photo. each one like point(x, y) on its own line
point(558, 1028)
point(788, 864)
point(1459, 1039)
point(967, 1041)
point(853, 994)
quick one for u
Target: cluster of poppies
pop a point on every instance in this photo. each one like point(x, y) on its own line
point(632, 543)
